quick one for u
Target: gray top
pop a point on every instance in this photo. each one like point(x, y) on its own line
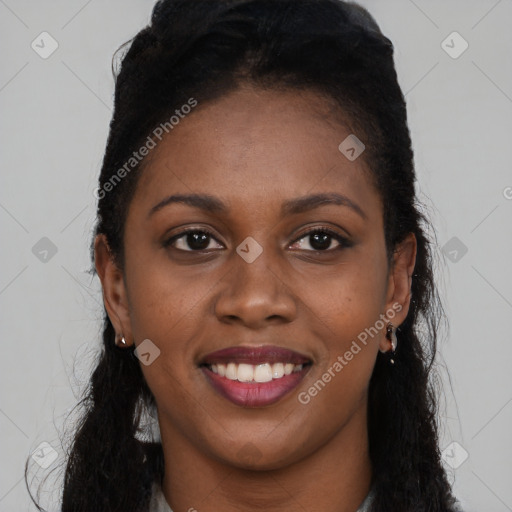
point(159, 503)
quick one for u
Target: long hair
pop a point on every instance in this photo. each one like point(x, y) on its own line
point(204, 49)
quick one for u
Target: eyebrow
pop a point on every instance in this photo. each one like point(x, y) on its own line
point(295, 206)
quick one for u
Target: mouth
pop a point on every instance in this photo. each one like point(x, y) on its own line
point(254, 376)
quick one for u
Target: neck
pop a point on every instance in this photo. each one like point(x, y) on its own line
point(335, 478)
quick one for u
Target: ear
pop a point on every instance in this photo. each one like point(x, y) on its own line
point(114, 291)
point(398, 297)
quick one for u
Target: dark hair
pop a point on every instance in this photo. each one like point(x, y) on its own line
point(204, 49)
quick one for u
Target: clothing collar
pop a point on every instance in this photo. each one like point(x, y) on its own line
point(159, 503)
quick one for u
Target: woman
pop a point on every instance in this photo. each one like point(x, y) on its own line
point(266, 275)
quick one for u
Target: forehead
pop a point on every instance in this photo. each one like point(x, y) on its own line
point(256, 147)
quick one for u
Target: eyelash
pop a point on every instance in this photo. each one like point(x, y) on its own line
point(344, 242)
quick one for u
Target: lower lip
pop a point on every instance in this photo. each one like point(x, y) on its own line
point(254, 394)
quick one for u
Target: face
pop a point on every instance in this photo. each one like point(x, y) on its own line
point(266, 270)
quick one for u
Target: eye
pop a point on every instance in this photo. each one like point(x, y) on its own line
point(195, 239)
point(320, 239)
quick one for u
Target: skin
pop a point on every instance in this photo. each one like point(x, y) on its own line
point(253, 150)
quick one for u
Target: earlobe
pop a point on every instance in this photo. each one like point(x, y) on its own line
point(114, 291)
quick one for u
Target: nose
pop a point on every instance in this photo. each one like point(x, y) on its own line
point(256, 293)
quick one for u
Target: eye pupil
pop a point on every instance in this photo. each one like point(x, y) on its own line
point(321, 240)
point(196, 240)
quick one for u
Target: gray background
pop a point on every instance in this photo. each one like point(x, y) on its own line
point(55, 116)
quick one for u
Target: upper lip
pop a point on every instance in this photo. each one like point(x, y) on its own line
point(255, 355)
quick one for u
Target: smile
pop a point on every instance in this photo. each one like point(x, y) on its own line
point(254, 376)
point(255, 373)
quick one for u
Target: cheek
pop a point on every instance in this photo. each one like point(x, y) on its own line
point(347, 307)
point(348, 300)
point(163, 308)
point(163, 301)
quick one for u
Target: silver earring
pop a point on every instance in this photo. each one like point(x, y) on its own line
point(120, 337)
point(391, 337)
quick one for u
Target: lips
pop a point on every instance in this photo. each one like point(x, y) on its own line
point(255, 355)
point(254, 376)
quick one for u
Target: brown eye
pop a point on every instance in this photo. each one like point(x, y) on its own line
point(194, 239)
point(320, 240)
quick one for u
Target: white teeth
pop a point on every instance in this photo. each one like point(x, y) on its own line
point(255, 373)
point(288, 368)
point(231, 371)
point(245, 373)
point(277, 370)
point(263, 373)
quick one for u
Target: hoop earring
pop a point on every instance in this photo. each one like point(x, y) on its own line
point(391, 337)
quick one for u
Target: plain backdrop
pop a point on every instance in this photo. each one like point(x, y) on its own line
point(54, 121)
